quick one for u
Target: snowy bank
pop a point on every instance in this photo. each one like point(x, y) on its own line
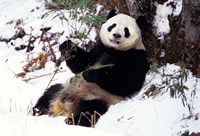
point(151, 112)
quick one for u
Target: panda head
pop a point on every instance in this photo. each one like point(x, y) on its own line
point(121, 32)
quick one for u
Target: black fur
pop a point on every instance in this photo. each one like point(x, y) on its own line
point(111, 13)
point(78, 60)
point(66, 45)
point(111, 27)
point(127, 33)
point(122, 72)
point(42, 105)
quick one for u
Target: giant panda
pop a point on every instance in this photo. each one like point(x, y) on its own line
point(114, 69)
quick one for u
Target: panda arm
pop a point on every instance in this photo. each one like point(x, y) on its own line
point(100, 76)
point(77, 59)
point(125, 75)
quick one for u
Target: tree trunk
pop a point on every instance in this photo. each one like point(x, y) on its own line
point(170, 30)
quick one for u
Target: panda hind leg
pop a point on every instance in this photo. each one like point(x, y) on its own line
point(43, 103)
point(88, 112)
point(78, 111)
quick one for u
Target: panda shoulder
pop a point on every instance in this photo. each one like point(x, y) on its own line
point(100, 47)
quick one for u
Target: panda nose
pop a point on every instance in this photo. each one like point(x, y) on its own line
point(117, 36)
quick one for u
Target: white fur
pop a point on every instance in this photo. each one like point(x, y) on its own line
point(123, 43)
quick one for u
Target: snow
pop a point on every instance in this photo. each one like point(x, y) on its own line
point(158, 116)
point(163, 11)
point(142, 115)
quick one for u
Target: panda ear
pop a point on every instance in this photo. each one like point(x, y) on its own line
point(112, 13)
point(142, 23)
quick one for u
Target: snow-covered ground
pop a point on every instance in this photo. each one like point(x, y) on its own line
point(146, 114)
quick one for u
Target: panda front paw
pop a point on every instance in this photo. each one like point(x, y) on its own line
point(89, 75)
point(65, 49)
point(65, 46)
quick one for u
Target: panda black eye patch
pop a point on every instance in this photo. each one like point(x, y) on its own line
point(111, 27)
point(127, 33)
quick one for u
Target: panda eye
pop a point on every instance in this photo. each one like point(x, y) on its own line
point(127, 33)
point(111, 27)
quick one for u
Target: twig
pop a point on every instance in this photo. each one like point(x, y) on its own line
point(26, 80)
point(73, 120)
point(55, 72)
point(52, 51)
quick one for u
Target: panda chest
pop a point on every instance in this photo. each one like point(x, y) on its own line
point(106, 60)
